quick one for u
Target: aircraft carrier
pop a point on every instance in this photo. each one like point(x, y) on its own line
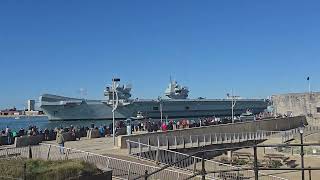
point(175, 105)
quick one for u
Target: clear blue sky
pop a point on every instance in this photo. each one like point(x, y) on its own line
point(257, 48)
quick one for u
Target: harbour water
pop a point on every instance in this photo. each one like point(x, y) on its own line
point(43, 122)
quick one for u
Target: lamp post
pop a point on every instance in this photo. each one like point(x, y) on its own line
point(114, 106)
point(161, 114)
point(302, 152)
point(233, 104)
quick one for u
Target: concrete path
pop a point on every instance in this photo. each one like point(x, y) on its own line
point(103, 146)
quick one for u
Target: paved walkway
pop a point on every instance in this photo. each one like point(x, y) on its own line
point(103, 146)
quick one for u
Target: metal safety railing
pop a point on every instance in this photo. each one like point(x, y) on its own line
point(122, 169)
point(294, 133)
point(190, 141)
point(192, 163)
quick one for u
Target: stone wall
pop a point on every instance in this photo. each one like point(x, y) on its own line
point(297, 103)
point(272, 124)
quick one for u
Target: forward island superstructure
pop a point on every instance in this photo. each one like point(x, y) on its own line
point(176, 105)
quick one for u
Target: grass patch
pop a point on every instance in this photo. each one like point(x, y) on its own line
point(47, 170)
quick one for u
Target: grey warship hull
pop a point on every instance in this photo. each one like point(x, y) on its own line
point(65, 108)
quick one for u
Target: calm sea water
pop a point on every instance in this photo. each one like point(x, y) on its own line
point(43, 122)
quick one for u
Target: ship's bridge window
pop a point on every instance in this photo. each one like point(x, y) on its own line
point(155, 108)
point(187, 107)
point(318, 109)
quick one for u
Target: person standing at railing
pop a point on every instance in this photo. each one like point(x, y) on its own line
point(164, 127)
point(60, 140)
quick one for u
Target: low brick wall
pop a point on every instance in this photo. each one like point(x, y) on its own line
point(93, 133)
point(28, 140)
point(68, 136)
point(3, 140)
point(271, 124)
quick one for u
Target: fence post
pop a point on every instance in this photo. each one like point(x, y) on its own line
point(204, 140)
point(211, 139)
point(226, 137)
point(129, 170)
point(30, 152)
point(108, 162)
point(140, 148)
point(184, 142)
point(87, 156)
point(194, 165)
point(67, 154)
point(157, 156)
point(25, 171)
point(129, 147)
point(203, 169)
point(48, 154)
point(256, 175)
point(149, 147)
point(168, 143)
point(175, 142)
point(198, 142)
point(7, 153)
point(309, 173)
point(146, 175)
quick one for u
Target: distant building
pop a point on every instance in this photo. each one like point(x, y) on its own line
point(11, 112)
point(307, 104)
point(31, 105)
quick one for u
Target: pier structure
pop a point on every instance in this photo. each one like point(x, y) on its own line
point(129, 161)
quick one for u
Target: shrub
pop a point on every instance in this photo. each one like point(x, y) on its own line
point(47, 170)
point(275, 164)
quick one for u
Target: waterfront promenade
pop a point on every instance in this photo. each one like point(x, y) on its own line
point(104, 145)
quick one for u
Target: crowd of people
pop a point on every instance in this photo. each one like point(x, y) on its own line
point(7, 136)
